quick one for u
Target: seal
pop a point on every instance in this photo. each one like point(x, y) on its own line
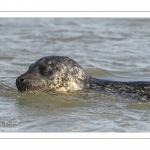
point(62, 74)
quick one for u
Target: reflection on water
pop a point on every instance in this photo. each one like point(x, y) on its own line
point(115, 49)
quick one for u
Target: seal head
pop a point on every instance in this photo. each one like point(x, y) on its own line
point(53, 73)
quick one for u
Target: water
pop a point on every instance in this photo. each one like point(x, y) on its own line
point(114, 49)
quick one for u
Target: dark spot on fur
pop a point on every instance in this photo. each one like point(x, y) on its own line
point(56, 73)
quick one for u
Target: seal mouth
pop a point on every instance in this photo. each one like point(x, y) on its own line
point(27, 88)
point(22, 86)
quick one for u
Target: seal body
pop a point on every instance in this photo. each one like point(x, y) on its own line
point(62, 74)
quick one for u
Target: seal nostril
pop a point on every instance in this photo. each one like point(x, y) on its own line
point(21, 83)
point(21, 80)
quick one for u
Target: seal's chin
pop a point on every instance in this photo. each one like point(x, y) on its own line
point(28, 87)
point(22, 87)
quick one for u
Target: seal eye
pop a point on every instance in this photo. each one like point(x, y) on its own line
point(44, 70)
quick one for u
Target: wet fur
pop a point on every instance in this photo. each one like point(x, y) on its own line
point(62, 74)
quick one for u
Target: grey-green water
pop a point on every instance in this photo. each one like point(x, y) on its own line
point(114, 49)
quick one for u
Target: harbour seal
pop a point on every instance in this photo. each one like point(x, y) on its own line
point(62, 74)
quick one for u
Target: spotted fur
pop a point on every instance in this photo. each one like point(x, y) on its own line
point(62, 74)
